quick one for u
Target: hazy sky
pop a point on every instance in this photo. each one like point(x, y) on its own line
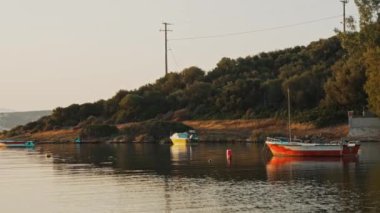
point(58, 52)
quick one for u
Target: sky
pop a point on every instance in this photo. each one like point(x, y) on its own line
point(59, 52)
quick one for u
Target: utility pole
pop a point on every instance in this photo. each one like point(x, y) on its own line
point(166, 45)
point(344, 2)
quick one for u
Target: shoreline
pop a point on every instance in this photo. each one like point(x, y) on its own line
point(258, 129)
point(210, 131)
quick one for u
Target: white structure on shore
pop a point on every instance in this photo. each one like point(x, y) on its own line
point(364, 128)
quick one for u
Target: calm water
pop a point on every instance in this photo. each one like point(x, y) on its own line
point(164, 178)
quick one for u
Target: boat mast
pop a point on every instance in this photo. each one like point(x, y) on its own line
point(290, 132)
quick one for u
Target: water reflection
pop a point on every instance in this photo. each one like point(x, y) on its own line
point(181, 152)
point(164, 178)
point(289, 168)
point(175, 160)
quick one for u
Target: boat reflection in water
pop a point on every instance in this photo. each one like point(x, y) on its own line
point(289, 168)
point(181, 152)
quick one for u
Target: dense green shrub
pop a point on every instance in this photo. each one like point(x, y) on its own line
point(98, 131)
point(321, 116)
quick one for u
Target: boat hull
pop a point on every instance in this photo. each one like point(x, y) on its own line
point(27, 144)
point(178, 141)
point(183, 141)
point(184, 138)
point(313, 150)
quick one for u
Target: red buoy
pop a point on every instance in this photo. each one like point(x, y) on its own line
point(228, 154)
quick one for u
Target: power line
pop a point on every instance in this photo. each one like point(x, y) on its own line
point(255, 31)
point(174, 58)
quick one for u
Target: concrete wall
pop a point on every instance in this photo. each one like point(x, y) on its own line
point(364, 128)
point(363, 122)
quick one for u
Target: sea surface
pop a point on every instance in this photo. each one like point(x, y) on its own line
point(166, 178)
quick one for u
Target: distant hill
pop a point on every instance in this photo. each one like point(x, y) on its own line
point(5, 110)
point(9, 120)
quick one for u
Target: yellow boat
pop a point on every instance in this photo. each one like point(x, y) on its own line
point(184, 137)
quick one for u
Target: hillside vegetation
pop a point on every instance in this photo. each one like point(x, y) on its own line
point(325, 78)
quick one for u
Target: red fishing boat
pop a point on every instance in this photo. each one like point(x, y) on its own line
point(281, 147)
point(289, 147)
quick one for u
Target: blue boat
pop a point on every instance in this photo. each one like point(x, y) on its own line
point(24, 144)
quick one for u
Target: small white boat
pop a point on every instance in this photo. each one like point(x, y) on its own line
point(184, 137)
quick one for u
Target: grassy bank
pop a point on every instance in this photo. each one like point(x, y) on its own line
point(65, 135)
point(258, 129)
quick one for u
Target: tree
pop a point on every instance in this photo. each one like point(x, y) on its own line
point(192, 74)
point(91, 109)
point(238, 96)
point(364, 47)
point(373, 74)
point(69, 116)
point(154, 103)
point(170, 83)
point(346, 87)
point(96, 131)
point(368, 11)
point(306, 90)
point(272, 93)
point(198, 93)
point(131, 105)
point(223, 67)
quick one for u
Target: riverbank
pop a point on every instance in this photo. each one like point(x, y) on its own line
point(254, 130)
point(65, 135)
